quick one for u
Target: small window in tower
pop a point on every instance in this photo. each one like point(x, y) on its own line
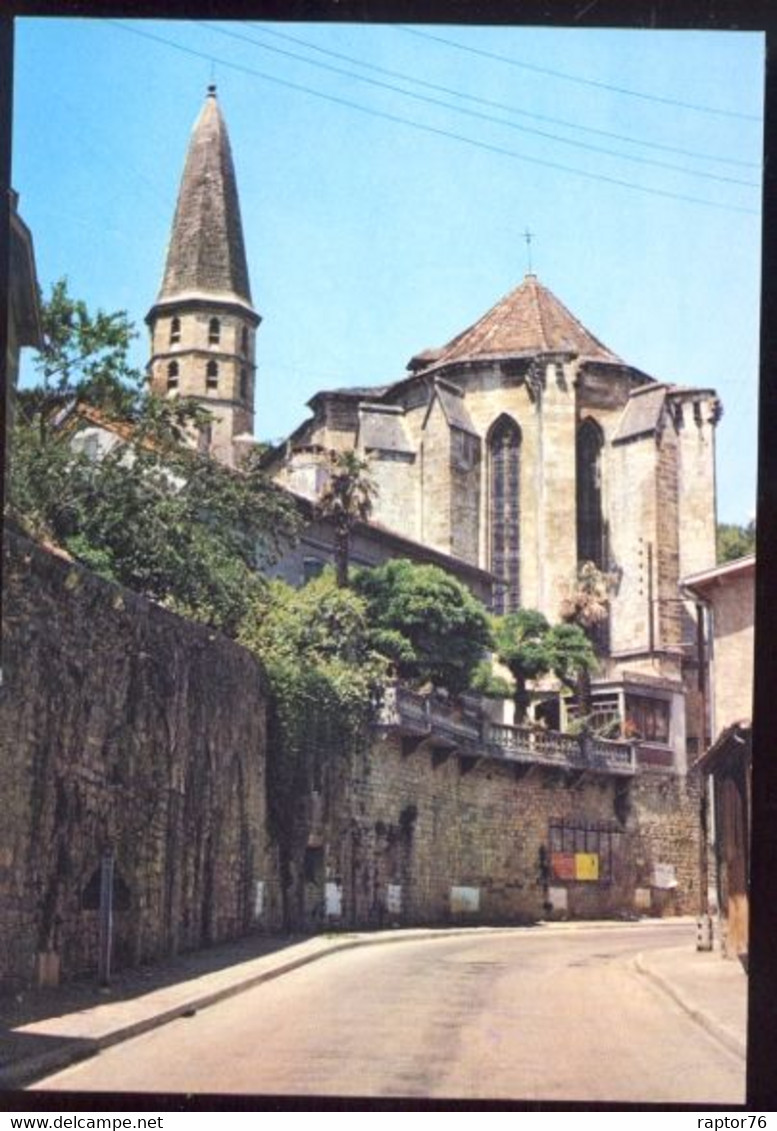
point(244, 340)
point(175, 331)
point(214, 331)
point(212, 375)
point(243, 383)
point(172, 375)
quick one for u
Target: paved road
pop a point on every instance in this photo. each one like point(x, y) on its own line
point(558, 1015)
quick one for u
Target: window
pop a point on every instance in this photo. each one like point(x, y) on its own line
point(175, 331)
point(583, 851)
point(243, 383)
point(647, 718)
point(172, 375)
point(214, 331)
point(212, 375)
point(244, 340)
point(504, 447)
point(590, 521)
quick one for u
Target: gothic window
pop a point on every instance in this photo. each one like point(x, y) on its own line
point(212, 375)
point(590, 520)
point(172, 375)
point(214, 331)
point(175, 331)
point(504, 447)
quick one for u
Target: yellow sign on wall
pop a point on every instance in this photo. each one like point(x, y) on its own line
point(586, 866)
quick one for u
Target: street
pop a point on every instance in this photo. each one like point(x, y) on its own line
point(555, 1014)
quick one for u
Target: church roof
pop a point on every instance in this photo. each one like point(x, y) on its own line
point(528, 321)
point(206, 255)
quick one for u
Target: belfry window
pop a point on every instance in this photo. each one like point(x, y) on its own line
point(214, 331)
point(212, 375)
point(172, 375)
point(504, 449)
point(175, 330)
point(590, 520)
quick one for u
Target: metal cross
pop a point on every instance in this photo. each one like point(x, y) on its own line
point(528, 236)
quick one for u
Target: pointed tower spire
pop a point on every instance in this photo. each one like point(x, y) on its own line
point(203, 323)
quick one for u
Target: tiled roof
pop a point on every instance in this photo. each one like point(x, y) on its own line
point(528, 321)
point(207, 253)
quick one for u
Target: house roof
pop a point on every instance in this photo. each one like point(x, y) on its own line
point(206, 255)
point(528, 321)
point(707, 580)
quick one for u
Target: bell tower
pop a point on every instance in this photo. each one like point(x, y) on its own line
point(203, 323)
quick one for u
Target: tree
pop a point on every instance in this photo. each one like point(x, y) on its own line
point(522, 645)
point(587, 605)
point(425, 621)
point(150, 514)
point(735, 541)
point(346, 500)
point(314, 644)
point(572, 654)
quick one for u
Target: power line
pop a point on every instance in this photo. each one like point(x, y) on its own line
point(481, 116)
point(436, 131)
point(694, 154)
point(579, 79)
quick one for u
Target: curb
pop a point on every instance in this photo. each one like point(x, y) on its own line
point(720, 1033)
point(73, 1050)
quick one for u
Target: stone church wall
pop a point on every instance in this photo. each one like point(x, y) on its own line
point(123, 728)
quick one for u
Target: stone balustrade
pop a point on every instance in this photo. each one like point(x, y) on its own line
point(426, 717)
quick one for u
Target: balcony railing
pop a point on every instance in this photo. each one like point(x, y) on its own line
point(426, 718)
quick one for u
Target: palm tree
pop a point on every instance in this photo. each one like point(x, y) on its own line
point(346, 500)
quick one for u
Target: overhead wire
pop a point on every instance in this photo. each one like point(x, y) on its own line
point(480, 115)
point(565, 123)
point(434, 130)
point(578, 78)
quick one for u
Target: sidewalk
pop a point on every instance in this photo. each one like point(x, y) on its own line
point(45, 1031)
point(713, 990)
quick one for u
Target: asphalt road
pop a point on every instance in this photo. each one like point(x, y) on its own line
point(511, 1015)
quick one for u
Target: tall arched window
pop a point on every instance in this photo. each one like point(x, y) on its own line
point(504, 449)
point(175, 330)
point(590, 520)
point(172, 375)
point(244, 340)
point(214, 331)
point(212, 374)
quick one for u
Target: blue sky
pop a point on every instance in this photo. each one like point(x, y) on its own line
point(387, 176)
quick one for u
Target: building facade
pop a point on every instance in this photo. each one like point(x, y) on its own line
point(512, 455)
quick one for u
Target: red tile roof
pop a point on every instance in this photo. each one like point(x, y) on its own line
point(528, 321)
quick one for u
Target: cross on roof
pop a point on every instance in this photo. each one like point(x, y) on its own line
point(528, 236)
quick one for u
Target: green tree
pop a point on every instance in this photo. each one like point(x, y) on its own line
point(522, 645)
point(735, 541)
point(426, 621)
point(346, 501)
point(150, 514)
point(314, 644)
point(572, 654)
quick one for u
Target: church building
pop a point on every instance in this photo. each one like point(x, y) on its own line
point(516, 452)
